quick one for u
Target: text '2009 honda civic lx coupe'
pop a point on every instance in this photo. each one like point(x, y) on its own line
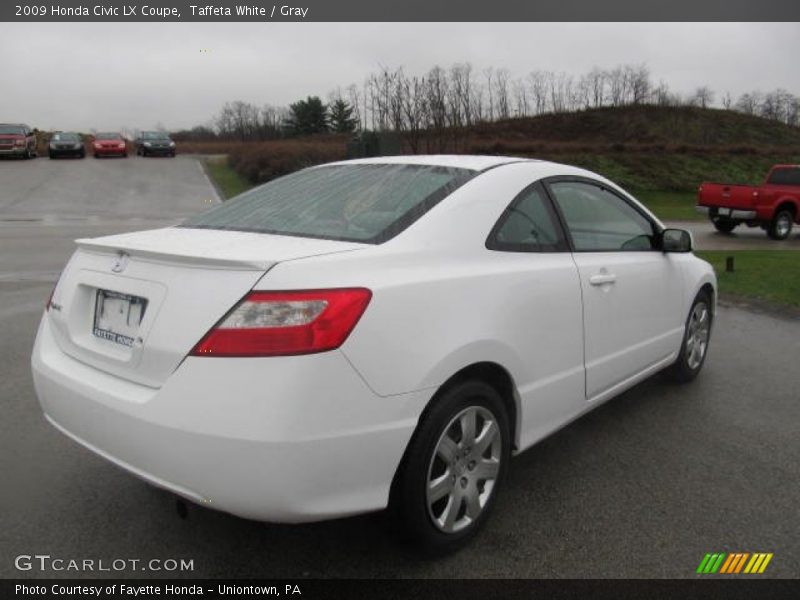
point(368, 333)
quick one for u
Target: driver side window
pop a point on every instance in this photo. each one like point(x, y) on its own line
point(600, 221)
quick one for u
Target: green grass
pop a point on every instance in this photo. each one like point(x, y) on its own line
point(671, 206)
point(228, 181)
point(770, 275)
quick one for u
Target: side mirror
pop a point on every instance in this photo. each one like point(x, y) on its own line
point(676, 240)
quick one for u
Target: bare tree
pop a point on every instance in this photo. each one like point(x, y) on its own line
point(703, 97)
point(537, 84)
point(488, 75)
point(639, 82)
point(749, 103)
point(520, 90)
point(501, 93)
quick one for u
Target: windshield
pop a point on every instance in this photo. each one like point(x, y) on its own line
point(12, 129)
point(367, 203)
point(108, 136)
point(154, 135)
point(66, 137)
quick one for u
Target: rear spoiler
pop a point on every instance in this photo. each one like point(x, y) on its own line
point(98, 246)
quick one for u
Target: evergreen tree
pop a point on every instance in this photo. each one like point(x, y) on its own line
point(341, 117)
point(308, 116)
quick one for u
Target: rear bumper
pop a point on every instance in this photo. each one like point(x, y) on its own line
point(727, 213)
point(286, 439)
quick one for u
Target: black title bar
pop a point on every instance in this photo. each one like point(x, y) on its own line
point(400, 10)
point(403, 589)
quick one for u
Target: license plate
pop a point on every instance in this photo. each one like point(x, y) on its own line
point(117, 316)
point(724, 211)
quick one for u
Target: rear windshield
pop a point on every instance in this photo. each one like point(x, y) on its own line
point(154, 135)
point(12, 129)
point(359, 203)
point(786, 176)
point(108, 136)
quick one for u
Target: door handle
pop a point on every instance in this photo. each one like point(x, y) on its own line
point(602, 279)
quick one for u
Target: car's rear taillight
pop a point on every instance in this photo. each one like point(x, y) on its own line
point(19, 142)
point(286, 323)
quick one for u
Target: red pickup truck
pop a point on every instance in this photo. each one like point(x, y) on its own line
point(773, 205)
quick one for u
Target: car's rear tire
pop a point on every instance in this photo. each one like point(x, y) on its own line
point(696, 337)
point(51, 155)
point(82, 154)
point(724, 225)
point(452, 470)
point(781, 225)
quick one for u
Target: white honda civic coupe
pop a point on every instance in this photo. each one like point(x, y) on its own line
point(368, 333)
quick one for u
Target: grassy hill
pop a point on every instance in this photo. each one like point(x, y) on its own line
point(659, 153)
point(648, 125)
point(649, 148)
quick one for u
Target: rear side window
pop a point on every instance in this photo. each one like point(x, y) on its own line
point(528, 225)
point(785, 176)
point(359, 203)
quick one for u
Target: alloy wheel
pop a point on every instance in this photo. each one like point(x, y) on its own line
point(699, 330)
point(463, 469)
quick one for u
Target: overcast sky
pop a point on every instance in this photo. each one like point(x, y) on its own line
point(137, 75)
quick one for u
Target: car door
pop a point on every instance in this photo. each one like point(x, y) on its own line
point(543, 311)
point(632, 315)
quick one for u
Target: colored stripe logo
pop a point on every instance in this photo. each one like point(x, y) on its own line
point(734, 563)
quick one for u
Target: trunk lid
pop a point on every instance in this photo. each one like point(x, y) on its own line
point(135, 304)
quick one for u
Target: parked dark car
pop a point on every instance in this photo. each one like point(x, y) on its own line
point(110, 144)
point(66, 143)
point(154, 142)
point(17, 140)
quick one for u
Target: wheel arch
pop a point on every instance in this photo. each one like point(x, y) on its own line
point(790, 203)
point(712, 293)
point(489, 372)
point(496, 376)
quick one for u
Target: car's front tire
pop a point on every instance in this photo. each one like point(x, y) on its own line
point(696, 337)
point(453, 467)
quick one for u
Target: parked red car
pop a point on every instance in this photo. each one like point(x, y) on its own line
point(110, 144)
point(774, 205)
point(17, 140)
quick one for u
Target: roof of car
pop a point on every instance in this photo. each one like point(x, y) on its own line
point(474, 162)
